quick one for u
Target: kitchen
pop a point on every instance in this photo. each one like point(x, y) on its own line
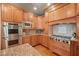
point(34, 26)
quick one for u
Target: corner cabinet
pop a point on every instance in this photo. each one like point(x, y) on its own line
point(26, 39)
point(44, 39)
point(34, 40)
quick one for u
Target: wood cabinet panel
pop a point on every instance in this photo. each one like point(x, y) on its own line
point(77, 11)
point(74, 48)
point(77, 22)
point(26, 39)
point(44, 40)
point(40, 22)
point(11, 13)
point(68, 20)
point(7, 12)
point(70, 10)
point(59, 47)
point(34, 40)
point(51, 16)
point(34, 22)
point(63, 12)
point(18, 15)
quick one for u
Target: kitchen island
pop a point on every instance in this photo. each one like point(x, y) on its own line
point(20, 50)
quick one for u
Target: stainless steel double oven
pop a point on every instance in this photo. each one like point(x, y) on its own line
point(11, 33)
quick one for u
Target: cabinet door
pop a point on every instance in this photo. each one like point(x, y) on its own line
point(34, 22)
point(34, 40)
point(7, 12)
point(51, 46)
point(77, 11)
point(77, 26)
point(70, 10)
point(45, 41)
point(40, 22)
point(18, 15)
point(74, 48)
point(51, 16)
point(26, 18)
point(59, 14)
point(26, 39)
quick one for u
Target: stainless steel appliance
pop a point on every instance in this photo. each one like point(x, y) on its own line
point(12, 33)
point(27, 25)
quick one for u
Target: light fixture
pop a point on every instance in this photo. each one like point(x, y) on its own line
point(35, 8)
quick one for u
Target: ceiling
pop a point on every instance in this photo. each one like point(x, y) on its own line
point(30, 7)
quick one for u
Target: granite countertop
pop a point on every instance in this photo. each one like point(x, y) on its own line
point(20, 50)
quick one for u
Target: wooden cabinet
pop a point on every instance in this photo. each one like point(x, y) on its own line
point(59, 48)
point(65, 11)
point(7, 12)
point(74, 48)
point(45, 25)
point(34, 40)
point(44, 40)
point(56, 15)
point(70, 10)
point(11, 13)
point(26, 39)
point(40, 22)
point(77, 10)
point(34, 22)
point(51, 16)
point(26, 18)
point(59, 14)
point(18, 15)
point(77, 24)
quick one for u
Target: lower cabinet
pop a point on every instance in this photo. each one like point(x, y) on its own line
point(45, 40)
point(74, 48)
point(34, 40)
point(26, 39)
point(59, 48)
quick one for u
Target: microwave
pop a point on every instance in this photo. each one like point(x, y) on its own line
point(27, 25)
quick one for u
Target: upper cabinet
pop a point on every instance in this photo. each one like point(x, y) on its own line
point(7, 12)
point(26, 18)
point(51, 16)
point(65, 12)
point(11, 13)
point(77, 5)
point(34, 22)
point(18, 15)
point(61, 12)
point(70, 10)
point(40, 22)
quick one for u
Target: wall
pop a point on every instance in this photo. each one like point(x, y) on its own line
point(64, 29)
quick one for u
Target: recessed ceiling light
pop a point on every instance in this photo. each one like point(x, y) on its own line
point(48, 4)
point(35, 8)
